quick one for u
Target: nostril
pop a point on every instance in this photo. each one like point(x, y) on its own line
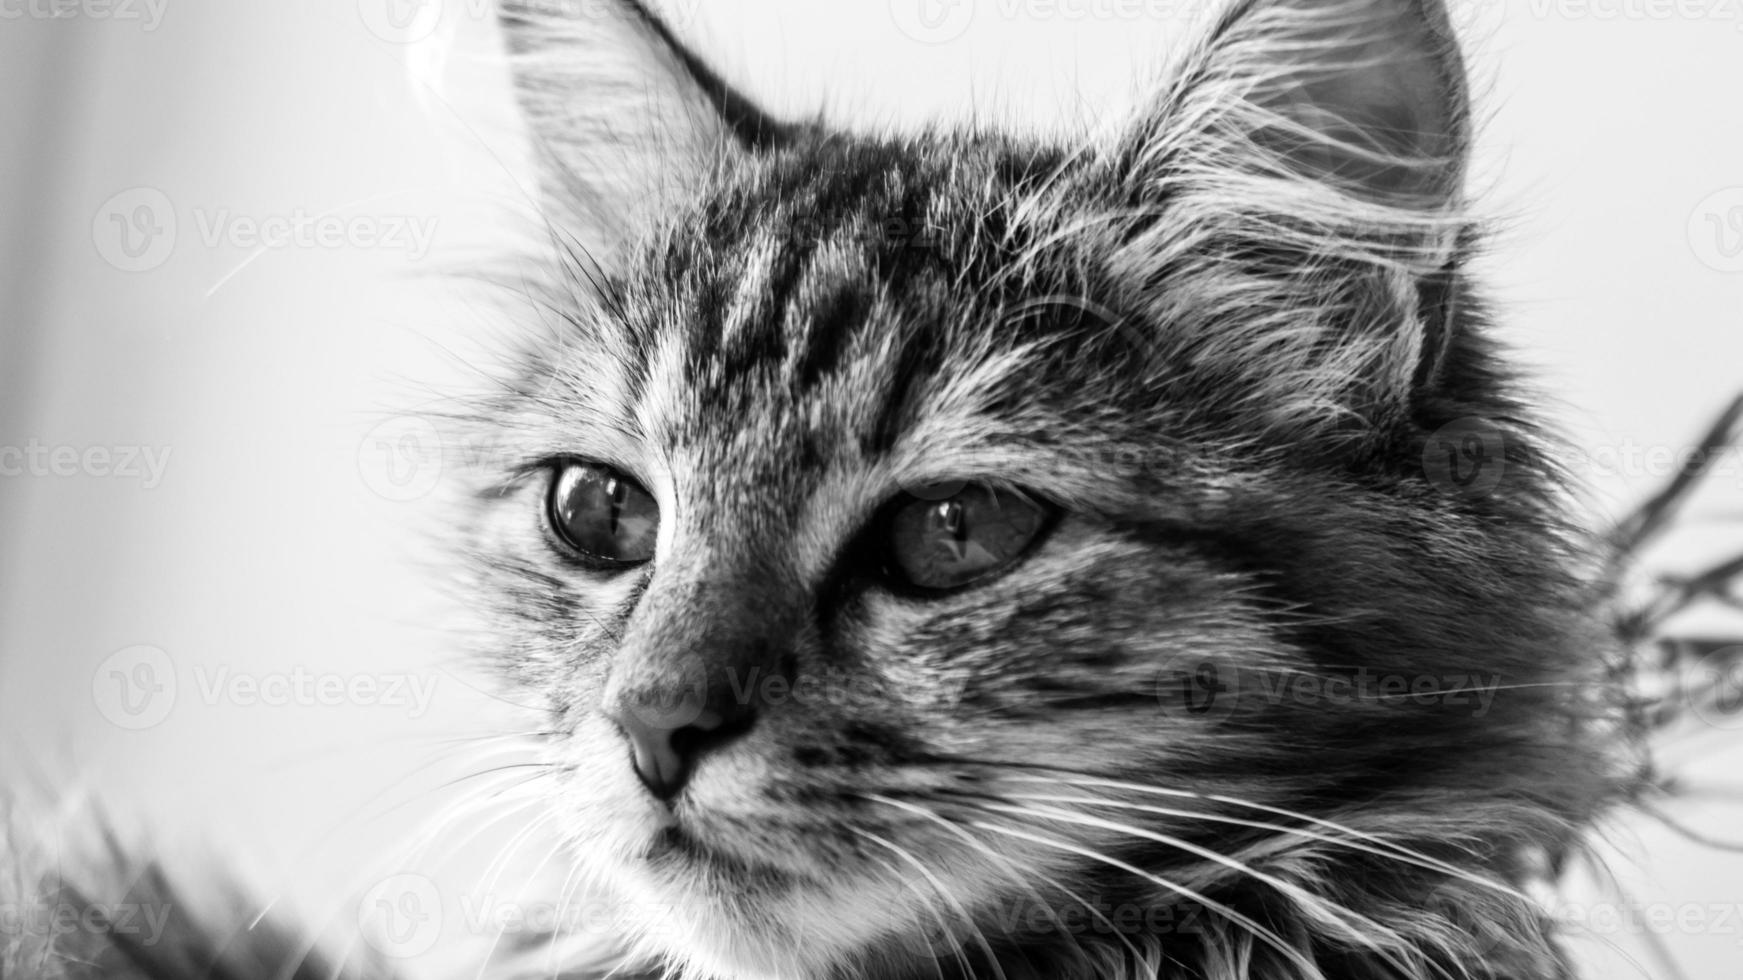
point(657, 762)
point(664, 756)
point(710, 730)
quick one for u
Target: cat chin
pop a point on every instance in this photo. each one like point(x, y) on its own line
point(713, 926)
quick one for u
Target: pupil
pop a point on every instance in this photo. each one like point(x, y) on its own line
point(619, 494)
point(950, 518)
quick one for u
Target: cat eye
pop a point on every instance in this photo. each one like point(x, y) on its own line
point(605, 518)
point(948, 539)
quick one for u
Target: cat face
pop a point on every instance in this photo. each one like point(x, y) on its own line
point(932, 549)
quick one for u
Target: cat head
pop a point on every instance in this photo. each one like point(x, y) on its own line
point(957, 552)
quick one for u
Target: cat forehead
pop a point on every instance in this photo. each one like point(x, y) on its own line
point(829, 282)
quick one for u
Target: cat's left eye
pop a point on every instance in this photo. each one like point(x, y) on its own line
point(607, 519)
point(960, 535)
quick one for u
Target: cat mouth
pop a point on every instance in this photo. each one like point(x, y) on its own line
point(677, 849)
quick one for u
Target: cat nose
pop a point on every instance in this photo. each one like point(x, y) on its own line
point(667, 737)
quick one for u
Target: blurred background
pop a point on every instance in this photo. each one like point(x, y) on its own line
point(227, 239)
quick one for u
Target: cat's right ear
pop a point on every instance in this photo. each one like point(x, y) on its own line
point(624, 118)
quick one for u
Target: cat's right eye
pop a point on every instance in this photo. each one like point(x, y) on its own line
point(944, 540)
point(605, 518)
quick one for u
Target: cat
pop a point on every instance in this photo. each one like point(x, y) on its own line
point(1142, 514)
point(957, 554)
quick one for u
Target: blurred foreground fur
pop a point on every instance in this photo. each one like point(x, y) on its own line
point(77, 903)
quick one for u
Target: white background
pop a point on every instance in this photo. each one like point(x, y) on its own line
point(1612, 151)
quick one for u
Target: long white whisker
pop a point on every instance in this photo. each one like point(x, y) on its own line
point(1014, 872)
point(1357, 931)
point(1401, 854)
point(926, 905)
point(1258, 930)
point(1378, 840)
point(944, 893)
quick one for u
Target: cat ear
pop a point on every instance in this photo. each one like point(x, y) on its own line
point(624, 117)
point(1300, 187)
point(1365, 96)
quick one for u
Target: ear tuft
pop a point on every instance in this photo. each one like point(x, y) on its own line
point(1299, 210)
point(626, 118)
point(1368, 96)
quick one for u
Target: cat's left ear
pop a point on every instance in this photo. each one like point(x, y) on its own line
point(1299, 188)
point(625, 118)
point(1366, 97)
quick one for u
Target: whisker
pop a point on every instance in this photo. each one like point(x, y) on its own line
point(1354, 845)
point(1256, 929)
point(1011, 867)
point(938, 886)
point(927, 906)
point(1267, 808)
point(1306, 901)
